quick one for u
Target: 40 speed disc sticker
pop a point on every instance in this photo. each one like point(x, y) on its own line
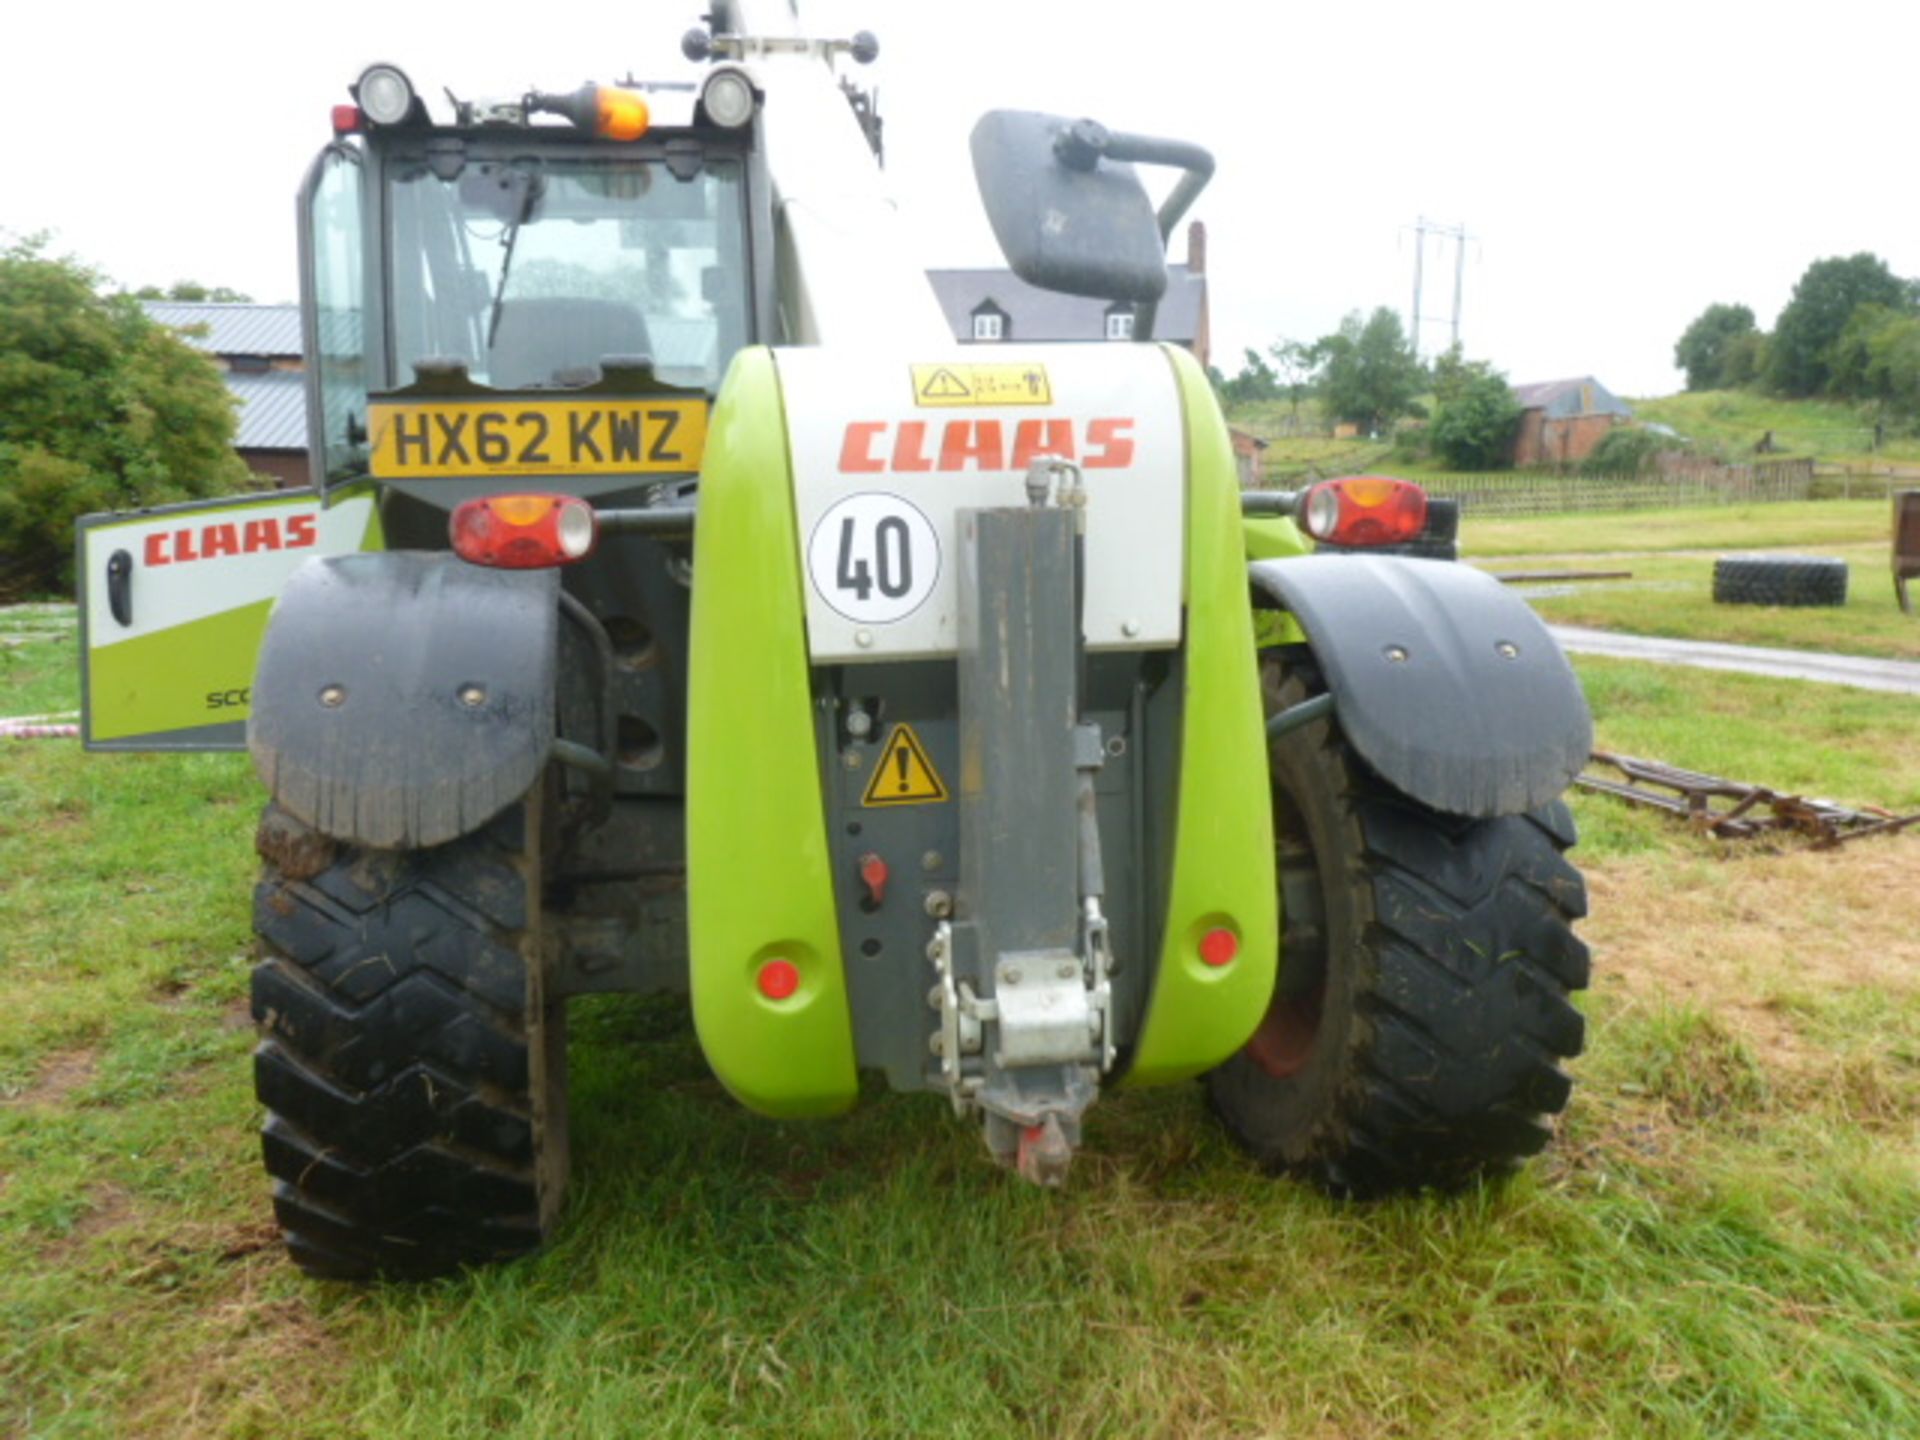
point(874, 558)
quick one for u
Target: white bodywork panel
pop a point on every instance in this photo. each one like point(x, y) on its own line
point(886, 451)
point(193, 562)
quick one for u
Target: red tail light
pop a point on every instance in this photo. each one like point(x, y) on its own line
point(1364, 510)
point(346, 119)
point(524, 532)
point(1219, 946)
point(778, 979)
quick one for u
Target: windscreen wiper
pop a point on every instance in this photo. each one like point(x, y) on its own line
point(530, 186)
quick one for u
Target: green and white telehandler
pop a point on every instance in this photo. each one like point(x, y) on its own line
point(678, 608)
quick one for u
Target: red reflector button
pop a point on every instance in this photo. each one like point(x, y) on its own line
point(778, 979)
point(1218, 947)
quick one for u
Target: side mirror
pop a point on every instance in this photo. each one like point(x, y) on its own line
point(1068, 207)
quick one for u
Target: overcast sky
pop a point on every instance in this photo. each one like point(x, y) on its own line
point(1620, 166)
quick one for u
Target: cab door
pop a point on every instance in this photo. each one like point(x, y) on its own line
point(174, 602)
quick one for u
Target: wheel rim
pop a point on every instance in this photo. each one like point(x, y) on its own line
point(1290, 1031)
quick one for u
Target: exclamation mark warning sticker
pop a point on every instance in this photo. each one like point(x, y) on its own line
point(905, 775)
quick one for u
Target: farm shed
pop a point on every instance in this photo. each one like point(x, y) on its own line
point(258, 350)
point(1561, 421)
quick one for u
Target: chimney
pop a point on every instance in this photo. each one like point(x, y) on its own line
point(1196, 248)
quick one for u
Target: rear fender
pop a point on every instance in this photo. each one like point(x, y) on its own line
point(1445, 681)
point(405, 699)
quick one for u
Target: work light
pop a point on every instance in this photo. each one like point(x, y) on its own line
point(384, 93)
point(727, 97)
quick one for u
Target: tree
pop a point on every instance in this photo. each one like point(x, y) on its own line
point(1702, 351)
point(1368, 373)
point(1744, 360)
point(1473, 427)
point(1893, 364)
point(1294, 363)
point(1256, 381)
point(193, 290)
point(1824, 300)
point(100, 409)
point(1849, 358)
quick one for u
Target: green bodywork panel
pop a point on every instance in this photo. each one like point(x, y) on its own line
point(1223, 862)
point(133, 687)
point(1275, 537)
point(759, 877)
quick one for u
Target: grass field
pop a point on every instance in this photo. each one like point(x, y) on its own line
point(1734, 421)
point(1670, 554)
point(1721, 1242)
point(1673, 595)
point(1808, 525)
point(1727, 423)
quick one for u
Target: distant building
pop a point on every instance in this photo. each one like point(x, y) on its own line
point(1561, 421)
point(1247, 455)
point(258, 349)
point(991, 307)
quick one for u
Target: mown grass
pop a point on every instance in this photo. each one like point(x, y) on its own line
point(1720, 1242)
point(1808, 524)
point(1673, 595)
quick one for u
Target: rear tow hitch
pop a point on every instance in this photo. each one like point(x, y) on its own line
point(1021, 973)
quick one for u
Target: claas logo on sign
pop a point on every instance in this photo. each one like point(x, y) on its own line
point(231, 537)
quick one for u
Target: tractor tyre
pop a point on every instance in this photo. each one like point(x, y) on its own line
point(412, 1066)
point(1779, 580)
point(1422, 1007)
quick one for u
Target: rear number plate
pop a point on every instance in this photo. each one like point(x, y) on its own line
point(537, 437)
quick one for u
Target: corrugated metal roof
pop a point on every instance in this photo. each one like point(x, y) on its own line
point(1562, 399)
point(1036, 314)
point(271, 330)
point(273, 410)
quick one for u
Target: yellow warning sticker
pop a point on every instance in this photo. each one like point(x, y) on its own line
point(904, 776)
point(960, 384)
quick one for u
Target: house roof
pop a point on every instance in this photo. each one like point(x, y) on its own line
point(1562, 398)
point(1036, 314)
point(273, 410)
point(269, 330)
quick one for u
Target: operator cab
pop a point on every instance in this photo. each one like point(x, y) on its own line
point(609, 243)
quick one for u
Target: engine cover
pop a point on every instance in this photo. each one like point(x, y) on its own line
point(886, 451)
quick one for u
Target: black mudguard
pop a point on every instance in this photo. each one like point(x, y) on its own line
point(1445, 682)
point(404, 699)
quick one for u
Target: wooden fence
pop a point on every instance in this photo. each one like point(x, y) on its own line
point(1522, 495)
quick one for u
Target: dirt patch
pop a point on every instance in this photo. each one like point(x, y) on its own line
point(59, 1076)
point(110, 1207)
point(255, 1358)
point(1739, 936)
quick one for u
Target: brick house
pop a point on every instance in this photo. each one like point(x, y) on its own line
point(1561, 421)
point(988, 307)
point(257, 348)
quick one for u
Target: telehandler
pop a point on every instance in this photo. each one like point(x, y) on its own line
point(678, 608)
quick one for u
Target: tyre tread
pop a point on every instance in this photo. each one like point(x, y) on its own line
point(394, 1059)
point(1461, 995)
